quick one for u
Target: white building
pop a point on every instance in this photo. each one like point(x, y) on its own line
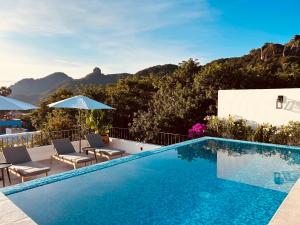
point(274, 106)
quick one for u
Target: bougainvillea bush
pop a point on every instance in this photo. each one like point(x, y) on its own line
point(198, 130)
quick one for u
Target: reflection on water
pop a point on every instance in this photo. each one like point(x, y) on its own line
point(264, 166)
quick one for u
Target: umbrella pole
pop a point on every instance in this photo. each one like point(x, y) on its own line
point(79, 131)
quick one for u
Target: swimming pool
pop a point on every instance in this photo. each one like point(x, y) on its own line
point(204, 181)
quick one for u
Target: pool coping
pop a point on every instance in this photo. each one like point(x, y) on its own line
point(288, 212)
point(95, 167)
point(12, 214)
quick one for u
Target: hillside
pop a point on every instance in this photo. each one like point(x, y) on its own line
point(159, 70)
point(32, 90)
point(272, 65)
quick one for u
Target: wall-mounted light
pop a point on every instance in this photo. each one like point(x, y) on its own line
point(279, 102)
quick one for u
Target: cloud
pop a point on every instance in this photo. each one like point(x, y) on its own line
point(72, 16)
point(38, 37)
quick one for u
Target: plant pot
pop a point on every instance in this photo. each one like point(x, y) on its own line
point(105, 138)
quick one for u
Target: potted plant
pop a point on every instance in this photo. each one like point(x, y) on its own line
point(98, 121)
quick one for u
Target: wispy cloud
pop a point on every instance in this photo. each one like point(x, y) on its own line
point(40, 37)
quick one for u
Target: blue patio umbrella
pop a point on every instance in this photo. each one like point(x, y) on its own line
point(82, 103)
point(9, 104)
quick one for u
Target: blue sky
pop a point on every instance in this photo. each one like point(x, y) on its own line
point(73, 36)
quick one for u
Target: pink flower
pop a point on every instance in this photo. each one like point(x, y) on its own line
point(198, 130)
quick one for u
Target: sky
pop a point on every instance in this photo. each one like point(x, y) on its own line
point(38, 38)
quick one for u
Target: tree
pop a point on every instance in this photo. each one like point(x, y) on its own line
point(5, 91)
point(175, 105)
point(58, 120)
point(41, 116)
point(130, 95)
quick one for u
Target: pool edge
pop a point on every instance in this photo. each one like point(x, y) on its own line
point(288, 213)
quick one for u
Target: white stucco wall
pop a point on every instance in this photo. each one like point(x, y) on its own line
point(259, 105)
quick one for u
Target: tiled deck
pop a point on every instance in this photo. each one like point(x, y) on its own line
point(289, 211)
point(11, 214)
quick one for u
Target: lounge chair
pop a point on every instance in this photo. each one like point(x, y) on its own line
point(67, 154)
point(22, 165)
point(98, 147)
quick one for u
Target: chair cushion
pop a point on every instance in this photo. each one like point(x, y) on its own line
point(30, 168)
point(76, 157)
point(109, 151)
point(15, 155)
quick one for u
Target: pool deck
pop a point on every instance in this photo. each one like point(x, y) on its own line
point(11, 214)
point(289, 211)
point(56, 167)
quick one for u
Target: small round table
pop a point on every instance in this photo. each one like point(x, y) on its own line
point(5, 166)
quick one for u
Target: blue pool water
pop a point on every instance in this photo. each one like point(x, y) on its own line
point(208, 181)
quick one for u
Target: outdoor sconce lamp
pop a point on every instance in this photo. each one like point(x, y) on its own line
point(279, 102)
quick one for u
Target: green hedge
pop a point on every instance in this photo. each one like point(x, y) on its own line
point(239, 129)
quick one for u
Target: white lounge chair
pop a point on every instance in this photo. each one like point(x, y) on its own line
point(22, 165)
point(67, 154)
point(98, 147)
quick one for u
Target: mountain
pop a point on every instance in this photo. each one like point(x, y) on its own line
point(33, 90)
point(269, 64)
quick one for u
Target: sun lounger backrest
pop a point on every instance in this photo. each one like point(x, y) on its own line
point(15, 155)
point(95, 140)
point(63, 146)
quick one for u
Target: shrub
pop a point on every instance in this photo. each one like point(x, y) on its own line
point(288, 134)
point(264, 133)
point(239, 129)
point(228, 128)
point(215, 126)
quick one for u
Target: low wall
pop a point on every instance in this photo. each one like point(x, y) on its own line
point(131, 147)
point(259, 105)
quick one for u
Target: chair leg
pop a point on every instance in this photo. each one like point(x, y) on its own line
point(8, 175)
point(95, 156)
point(75, 166)
point(23, 179)
point(46, 174)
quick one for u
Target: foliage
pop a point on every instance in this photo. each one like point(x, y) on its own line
point(5, 91)
point(175, 106)
point(129, 96)
point(159, 70)
point(238, 129)
point(288, 134)
point(264, 133)
point(228, 128)
point(40, 116)
point(59, 120)
point(197, 131)
point(98, 121)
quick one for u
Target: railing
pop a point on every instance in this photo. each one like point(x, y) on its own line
point(151, 137)
point(34, 139)
point(38, 138)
